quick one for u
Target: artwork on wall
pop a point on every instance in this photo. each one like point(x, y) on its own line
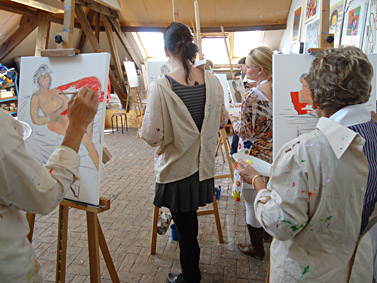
point(292, 111)
point(354, 22)
point(311, 35)
point(132, 78)
point(370, 31)
point(237, 90)
point(156, 69)
point(46, 84)
point(296, 25)
point(312, 10)
point(335, 21)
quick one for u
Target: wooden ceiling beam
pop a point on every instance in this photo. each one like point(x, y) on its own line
point(27, 25)
point(264, 27)
point(17, 8)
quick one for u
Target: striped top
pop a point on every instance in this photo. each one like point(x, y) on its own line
point(194, 97)
point(368, 131)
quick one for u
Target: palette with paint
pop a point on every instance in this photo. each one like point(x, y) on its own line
point(260, 165)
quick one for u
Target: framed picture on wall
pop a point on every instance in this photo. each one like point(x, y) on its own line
point(354, 22)
point(296, 26)
point(336, 18)
point(311, 35)
point(370, 31)
point(312, 10)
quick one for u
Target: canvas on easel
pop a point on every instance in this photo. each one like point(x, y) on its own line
point(237, 90)
point(156, 69)
point(46, 85)
point(133, 81)
point(292, 111)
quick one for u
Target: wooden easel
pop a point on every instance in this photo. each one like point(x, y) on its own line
point(223, 141)
point(96, 240)
point(214, 211)
point(139, 107)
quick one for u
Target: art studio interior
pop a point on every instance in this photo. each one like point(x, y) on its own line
point(188, 141)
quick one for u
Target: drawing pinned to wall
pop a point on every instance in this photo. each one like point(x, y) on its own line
point(132, 78)
point(370, 35)
point(311, 10)
point(237, 90)
point(354, 22)
point(156, 69)
point(296, 25)
point(336, 17)
point(292, 111)
point(311, 35)
point(46, 84)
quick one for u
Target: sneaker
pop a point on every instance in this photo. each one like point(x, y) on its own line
point(175, 278)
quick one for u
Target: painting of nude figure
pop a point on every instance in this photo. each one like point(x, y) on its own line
point(46, 85)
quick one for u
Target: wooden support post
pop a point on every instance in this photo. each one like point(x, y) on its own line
point(97, 26)
point(83, 38)
point(113, 50)
point(44, 22)
point(27, 25)
point(85, 25)
point(197, 21)
point(124, 41)
point(227, 51)
point(175, 11)
point(68, 24)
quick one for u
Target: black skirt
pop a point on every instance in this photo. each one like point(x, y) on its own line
point(185, 195)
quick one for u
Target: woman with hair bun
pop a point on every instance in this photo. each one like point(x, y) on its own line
point(185, 110)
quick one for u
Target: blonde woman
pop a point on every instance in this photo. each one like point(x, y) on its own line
point(254, 128)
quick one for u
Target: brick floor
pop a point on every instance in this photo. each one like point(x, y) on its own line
point(128, 180)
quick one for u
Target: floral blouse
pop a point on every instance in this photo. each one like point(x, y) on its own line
point(254, 126)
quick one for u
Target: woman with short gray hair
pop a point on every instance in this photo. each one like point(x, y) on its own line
point(313, 204)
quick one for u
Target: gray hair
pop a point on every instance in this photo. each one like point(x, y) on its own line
point(43, 69)
point(340, 77)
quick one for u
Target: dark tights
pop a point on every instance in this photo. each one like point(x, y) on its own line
point(187, 226)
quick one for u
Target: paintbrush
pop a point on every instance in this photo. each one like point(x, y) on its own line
point(76, 92)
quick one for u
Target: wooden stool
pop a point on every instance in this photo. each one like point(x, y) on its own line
point(121, 121)
point(214, 211)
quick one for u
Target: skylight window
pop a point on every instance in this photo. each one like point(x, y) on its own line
point(244, 41)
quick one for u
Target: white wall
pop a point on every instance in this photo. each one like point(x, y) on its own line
point(285, 43)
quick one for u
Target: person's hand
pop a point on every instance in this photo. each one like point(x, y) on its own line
point(232, 118)
point(246, 171)
point(81, 110)
point(82, 107)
